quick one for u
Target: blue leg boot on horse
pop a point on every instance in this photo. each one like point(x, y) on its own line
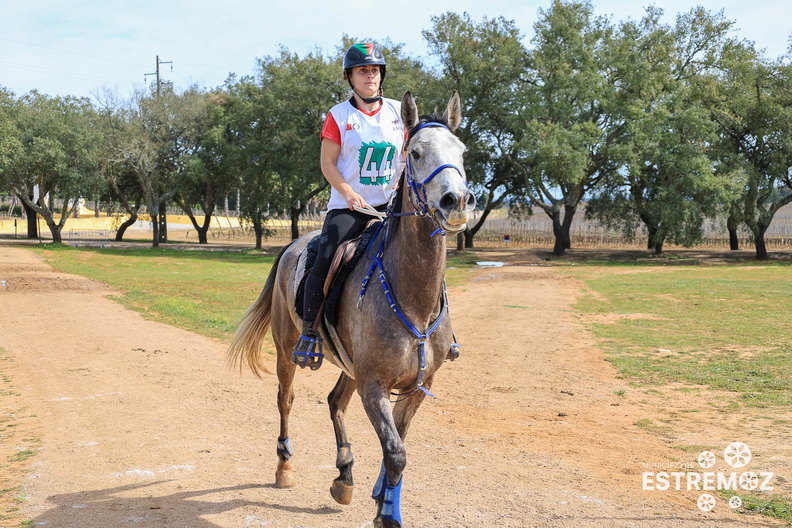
point(388, 500)
point(308, 350)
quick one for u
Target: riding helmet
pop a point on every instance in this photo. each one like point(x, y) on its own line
point(364, 54)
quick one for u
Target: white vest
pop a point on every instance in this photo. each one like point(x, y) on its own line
point(371, 151)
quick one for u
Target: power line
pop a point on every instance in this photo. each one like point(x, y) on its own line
point(70, 52)
point(59, 73)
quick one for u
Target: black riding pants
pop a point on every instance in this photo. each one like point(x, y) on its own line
point(339, 226)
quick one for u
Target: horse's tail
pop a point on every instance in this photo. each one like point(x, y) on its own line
point(253, 326)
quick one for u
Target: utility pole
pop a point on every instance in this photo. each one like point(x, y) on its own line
point(157, 73)
point(162, 217)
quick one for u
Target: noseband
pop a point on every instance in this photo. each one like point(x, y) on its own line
point(418, 189)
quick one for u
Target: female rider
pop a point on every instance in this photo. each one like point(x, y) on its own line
point(361, 156)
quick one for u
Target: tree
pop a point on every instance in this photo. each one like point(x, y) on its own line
point(296, 113)
point(566, 134)
point(668, 182)
point(483, 62)
point(205, 176)
point(162, 131)
point(750, 100)
point(10, 146)
point(115, 162)
point(56, 157)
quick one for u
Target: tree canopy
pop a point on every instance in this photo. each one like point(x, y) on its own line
point(656, 128)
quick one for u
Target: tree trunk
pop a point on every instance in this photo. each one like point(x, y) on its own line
point(460, 242)
point(55, 230)
point(759, 242)
point(259, 231)
point(30, 214)
point(294, 214)
point(561, 230)
point(731, 225)
point(658, 246)
point(468, 234)
point(123, 227)
point(154, 229)
point(203, 234)
point(560, 244)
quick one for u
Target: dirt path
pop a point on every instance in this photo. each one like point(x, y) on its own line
point(135, 423)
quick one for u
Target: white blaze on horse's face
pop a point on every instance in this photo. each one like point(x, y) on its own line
point(447, 197)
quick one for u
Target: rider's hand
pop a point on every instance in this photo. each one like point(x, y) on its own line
point(354, 199)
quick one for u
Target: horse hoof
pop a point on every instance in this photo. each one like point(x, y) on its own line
point(379, 522)
point(284, 478)
point(342, 493)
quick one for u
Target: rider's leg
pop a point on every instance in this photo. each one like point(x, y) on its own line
point(340, 225)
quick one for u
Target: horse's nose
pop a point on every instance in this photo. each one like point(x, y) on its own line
point(454, 200)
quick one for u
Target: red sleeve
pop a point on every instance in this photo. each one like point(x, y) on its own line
point(330, 129)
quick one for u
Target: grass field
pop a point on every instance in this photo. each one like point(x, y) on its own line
point(725, 327)
point(201, 291)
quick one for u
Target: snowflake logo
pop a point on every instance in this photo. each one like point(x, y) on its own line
point(737, 454)
point(706, 459)
point(706, 502)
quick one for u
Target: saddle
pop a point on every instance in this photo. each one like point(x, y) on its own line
point(346, 256)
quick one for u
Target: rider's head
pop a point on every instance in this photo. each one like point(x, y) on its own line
point(364, 69)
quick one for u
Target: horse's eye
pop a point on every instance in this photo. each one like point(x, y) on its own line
point(415, 155)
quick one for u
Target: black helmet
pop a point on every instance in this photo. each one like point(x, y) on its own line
point(364, 54)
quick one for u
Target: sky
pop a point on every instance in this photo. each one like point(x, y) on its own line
point(83, 47)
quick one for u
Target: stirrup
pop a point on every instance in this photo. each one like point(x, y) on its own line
point(453, 352)
point(308, 351)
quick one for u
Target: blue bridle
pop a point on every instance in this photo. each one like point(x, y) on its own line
point(418, 189)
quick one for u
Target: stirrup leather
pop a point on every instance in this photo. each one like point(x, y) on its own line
point(308, 351)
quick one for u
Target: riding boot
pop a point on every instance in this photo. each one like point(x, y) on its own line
point(308, 349)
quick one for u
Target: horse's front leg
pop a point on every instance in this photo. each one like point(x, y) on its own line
point(387, 490)
point(338, 399)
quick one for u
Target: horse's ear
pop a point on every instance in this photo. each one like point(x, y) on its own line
point(453, 114)
point(409, 111)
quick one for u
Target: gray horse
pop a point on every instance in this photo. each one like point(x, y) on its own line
point(393, 335)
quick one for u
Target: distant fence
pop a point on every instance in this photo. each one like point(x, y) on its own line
point(85, 237)
point(497, 231)
point(536, 231)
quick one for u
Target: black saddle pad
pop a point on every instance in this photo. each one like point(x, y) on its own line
point(311, 252)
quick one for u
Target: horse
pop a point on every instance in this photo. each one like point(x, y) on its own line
point(396, 338)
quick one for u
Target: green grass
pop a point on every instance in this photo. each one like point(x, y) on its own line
point(201, 291)
point(23, 455)
point(767, 505)
point(726, 328)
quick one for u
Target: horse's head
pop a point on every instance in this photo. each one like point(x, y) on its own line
point(434, 165)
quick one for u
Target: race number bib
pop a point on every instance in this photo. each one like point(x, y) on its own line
point(376, 163)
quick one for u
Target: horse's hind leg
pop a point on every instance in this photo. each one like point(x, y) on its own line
point(284, 477)
point(338, 399)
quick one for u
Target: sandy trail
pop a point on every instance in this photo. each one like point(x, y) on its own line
point(140, 424)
